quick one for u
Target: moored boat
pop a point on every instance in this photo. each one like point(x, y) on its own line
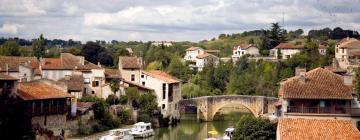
point(142, 130)
point(118, 134)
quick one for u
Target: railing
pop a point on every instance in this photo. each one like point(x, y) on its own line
point(324, 110)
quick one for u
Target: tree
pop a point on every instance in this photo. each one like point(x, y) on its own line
point(39, 47)
point(177, 68)
point(105, 58)
point(114, 85)
point(251, 128)
point(10, 48)
point(91, 51)
point(357, 86)
point(155, 65)
point(133, 95)
point(148, 104)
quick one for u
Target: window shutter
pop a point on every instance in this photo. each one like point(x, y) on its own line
point(93, 83)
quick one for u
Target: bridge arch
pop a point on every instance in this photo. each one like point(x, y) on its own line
point(207, 106)
point(215, 110)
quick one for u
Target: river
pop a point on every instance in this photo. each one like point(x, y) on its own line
point(191, 129)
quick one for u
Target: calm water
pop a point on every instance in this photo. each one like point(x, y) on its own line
point(191, 129)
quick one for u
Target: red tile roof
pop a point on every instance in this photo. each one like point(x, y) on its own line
point(130, 62)
point(193, 48)
point(349, 43)
point(67, 61)
point(162, 76)
point(288, 46)
point(74, 82)
point(112, 73)
point(13, 62)
point(311, 129)
point(244, 46)
point(319, 84)
point(201, 56)
point(7, 77)
point(131, 84)
point(38, 90)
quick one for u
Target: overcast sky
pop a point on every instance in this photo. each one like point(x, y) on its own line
point(176, 20)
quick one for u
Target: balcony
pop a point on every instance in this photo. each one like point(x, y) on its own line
point(338, 110)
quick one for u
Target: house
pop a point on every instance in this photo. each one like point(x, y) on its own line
point(7, 85)
point(74, 84)
point(315, 129)
point(159, 43)
point(318, 93)
point(244, 49)
point(167, 89)
point(67, 65)
point(46, 105)
point(192, 53)
point(286, 50)
point(111, 75)
point(130, 68)
point(25, 68)
point(205, 59)
point(347, 53)
point(322, 49)
point(124, 85)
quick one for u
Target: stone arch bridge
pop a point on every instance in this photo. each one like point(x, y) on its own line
point(207, 106)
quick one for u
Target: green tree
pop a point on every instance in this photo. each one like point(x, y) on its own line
point(39, 47)
point(10, 48)
point(148, 104)
point(178, 69)
point(155, 65)
point(133, 95)
point(251, 128)
point(357, 85)
point(114, 85)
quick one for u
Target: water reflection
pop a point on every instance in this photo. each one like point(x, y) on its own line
point(191, 129)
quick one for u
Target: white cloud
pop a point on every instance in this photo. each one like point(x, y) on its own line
point(70, 9)
point(23, 7)
point(9, 29)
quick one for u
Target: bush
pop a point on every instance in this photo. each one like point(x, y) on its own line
point(83, 129)
point(123, 100)
point(251, 128)
point(112, 100)
point(144, 117)
point(89, 99)
point(124, 115)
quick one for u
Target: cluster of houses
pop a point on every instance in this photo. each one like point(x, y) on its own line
point(49, 87)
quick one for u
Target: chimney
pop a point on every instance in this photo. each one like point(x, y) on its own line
point(302, 73)
point(348, 80)
point(99, 64)
point(7, 69)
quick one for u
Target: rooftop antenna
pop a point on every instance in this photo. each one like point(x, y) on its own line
point(283, 19)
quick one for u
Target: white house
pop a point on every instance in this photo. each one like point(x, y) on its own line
point(206, 59)
point(159, 43)
point(347, 53)
point(23, 68)
point(245, 49)
point(322, 49)
point(287, 50)
point(167, 89)
point(68, 64)
point(192, 52)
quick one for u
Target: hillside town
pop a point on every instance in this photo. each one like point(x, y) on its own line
point(189, 70)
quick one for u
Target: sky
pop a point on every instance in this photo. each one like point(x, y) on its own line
point(167, 20)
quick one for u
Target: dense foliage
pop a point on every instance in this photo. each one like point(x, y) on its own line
point(251, 128)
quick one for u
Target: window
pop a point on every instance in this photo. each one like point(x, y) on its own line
point(163, 106)
point(132, 77)
point(95, 83)
point(342, 50)
point(142, 75)
point(84, 91)
point(143, 83)
point(86, 80)
point(92, 92)
point(164, 91)
point(337, 50)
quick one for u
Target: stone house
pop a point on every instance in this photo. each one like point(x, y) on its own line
point(46, 105)
point(7, 85)
point(347, 53)
point(167, 89)
point(286, 50)
point(130, 68)
point(244, 49)
point(67, 65)
point(23, 68)
point(205, 59)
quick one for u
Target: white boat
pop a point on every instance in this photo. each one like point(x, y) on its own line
point(118, 134)
point(142, 130)
point(229, 132)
